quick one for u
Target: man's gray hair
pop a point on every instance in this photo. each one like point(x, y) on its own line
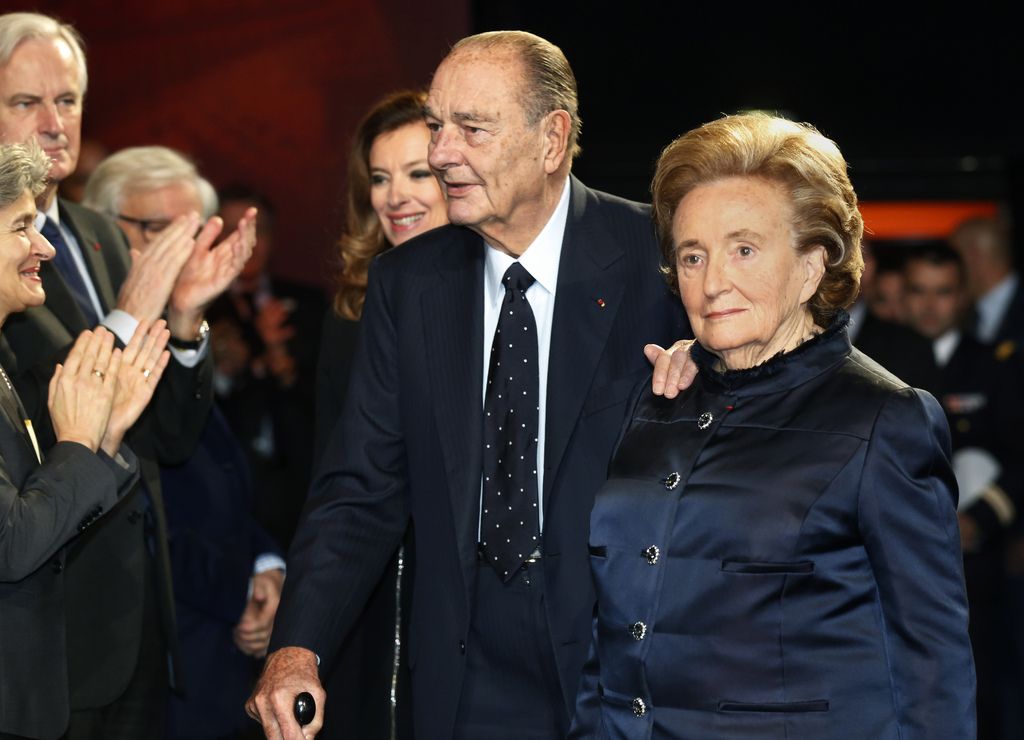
point(144, 168)
point(549, 83)
point(22, 167)
point(16, 28)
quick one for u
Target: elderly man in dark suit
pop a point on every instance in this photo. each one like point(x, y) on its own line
point(120, 631)
point(489, 386)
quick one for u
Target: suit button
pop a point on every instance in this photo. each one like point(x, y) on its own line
point(462, 646)
point(57, 566)
point(671, 481)
point(704, 420)
point(651, 554)
point(638, 630)
point(639, 707)
point(133, 516)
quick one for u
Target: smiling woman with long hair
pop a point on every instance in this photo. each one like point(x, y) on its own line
point(392, 197)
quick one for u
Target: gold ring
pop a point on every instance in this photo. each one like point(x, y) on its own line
point(147, 372)
point(99, 374)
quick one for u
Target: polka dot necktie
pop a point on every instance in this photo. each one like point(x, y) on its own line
point(509, 529)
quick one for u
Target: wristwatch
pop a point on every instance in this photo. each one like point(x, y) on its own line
point(204, 331)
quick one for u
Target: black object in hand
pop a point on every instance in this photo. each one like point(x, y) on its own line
point(305, 708)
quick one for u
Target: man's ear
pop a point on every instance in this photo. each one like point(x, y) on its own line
point(556, 126)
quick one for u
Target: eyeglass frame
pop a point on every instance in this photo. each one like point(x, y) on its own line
point(150, 227)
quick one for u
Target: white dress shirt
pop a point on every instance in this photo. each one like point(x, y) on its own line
point(541, 260)
point(992, 306)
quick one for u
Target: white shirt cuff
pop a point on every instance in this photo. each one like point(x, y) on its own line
point(123, 324)
point(268, 561)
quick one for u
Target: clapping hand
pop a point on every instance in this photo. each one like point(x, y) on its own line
point(209, 271)
point(142, 365)
point(147, 288)
point(82, 389)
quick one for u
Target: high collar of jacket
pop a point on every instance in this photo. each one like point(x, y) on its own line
point(783, 371)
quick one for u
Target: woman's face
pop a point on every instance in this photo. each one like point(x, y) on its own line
point(744, 285)
point(22, 251)
point(403, 190)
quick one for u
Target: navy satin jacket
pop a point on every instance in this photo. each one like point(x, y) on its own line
point(776, 555)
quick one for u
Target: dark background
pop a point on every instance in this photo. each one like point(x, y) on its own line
point(924, 105)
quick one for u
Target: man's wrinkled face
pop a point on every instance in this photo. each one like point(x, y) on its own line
point(488, 157)
point(41, 99)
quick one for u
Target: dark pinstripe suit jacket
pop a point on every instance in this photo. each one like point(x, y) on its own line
point(409, 441)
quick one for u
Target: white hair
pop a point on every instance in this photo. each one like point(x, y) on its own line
point(144, 168)
point(16, 28)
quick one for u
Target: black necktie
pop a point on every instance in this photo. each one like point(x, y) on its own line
point(509, 529)
point(68, 270)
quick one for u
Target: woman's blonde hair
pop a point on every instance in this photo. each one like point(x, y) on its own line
point(807, 165)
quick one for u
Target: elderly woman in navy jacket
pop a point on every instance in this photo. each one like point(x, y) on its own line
point(48, 498)
point(776, 550)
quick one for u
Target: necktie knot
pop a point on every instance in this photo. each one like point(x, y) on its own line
point(50, 231)
point(517, 280)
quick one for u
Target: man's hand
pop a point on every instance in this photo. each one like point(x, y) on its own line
point(208, 272)
point(674, 369)
point(147, 287)
point(288, 672)
point(970, 535)
point(252, 633)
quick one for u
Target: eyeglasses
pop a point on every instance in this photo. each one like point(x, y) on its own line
point(149, 227)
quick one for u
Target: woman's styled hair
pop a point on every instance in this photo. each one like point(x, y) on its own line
point(22, 167)
point(364, 237)
point(806, 164)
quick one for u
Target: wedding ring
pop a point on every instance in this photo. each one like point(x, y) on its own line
point(147, 372)
point(98, 373)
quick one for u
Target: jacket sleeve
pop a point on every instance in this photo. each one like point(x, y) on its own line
point(358, 507)
point(907, 509)
point(177, 414)
point(58, 500)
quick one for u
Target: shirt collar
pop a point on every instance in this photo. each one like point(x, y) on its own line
point(944, 346)
point(53, 213)
point(540, 259)
point(993, 304)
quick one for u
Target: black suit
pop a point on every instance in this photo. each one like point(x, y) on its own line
point(214, 541)
point(108, 568)
point(1011, 324)
point(983, 397)
point(900, 350)
point(409, 443)
point(42, 507)
point(254, 402)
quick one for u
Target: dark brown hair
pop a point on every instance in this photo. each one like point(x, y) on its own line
point(364, 237)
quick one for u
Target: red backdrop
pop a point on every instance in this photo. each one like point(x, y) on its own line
point(259, 92)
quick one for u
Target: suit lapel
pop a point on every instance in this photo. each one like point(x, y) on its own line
point(453, 328)
point(91, 251)
point(586, 302)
